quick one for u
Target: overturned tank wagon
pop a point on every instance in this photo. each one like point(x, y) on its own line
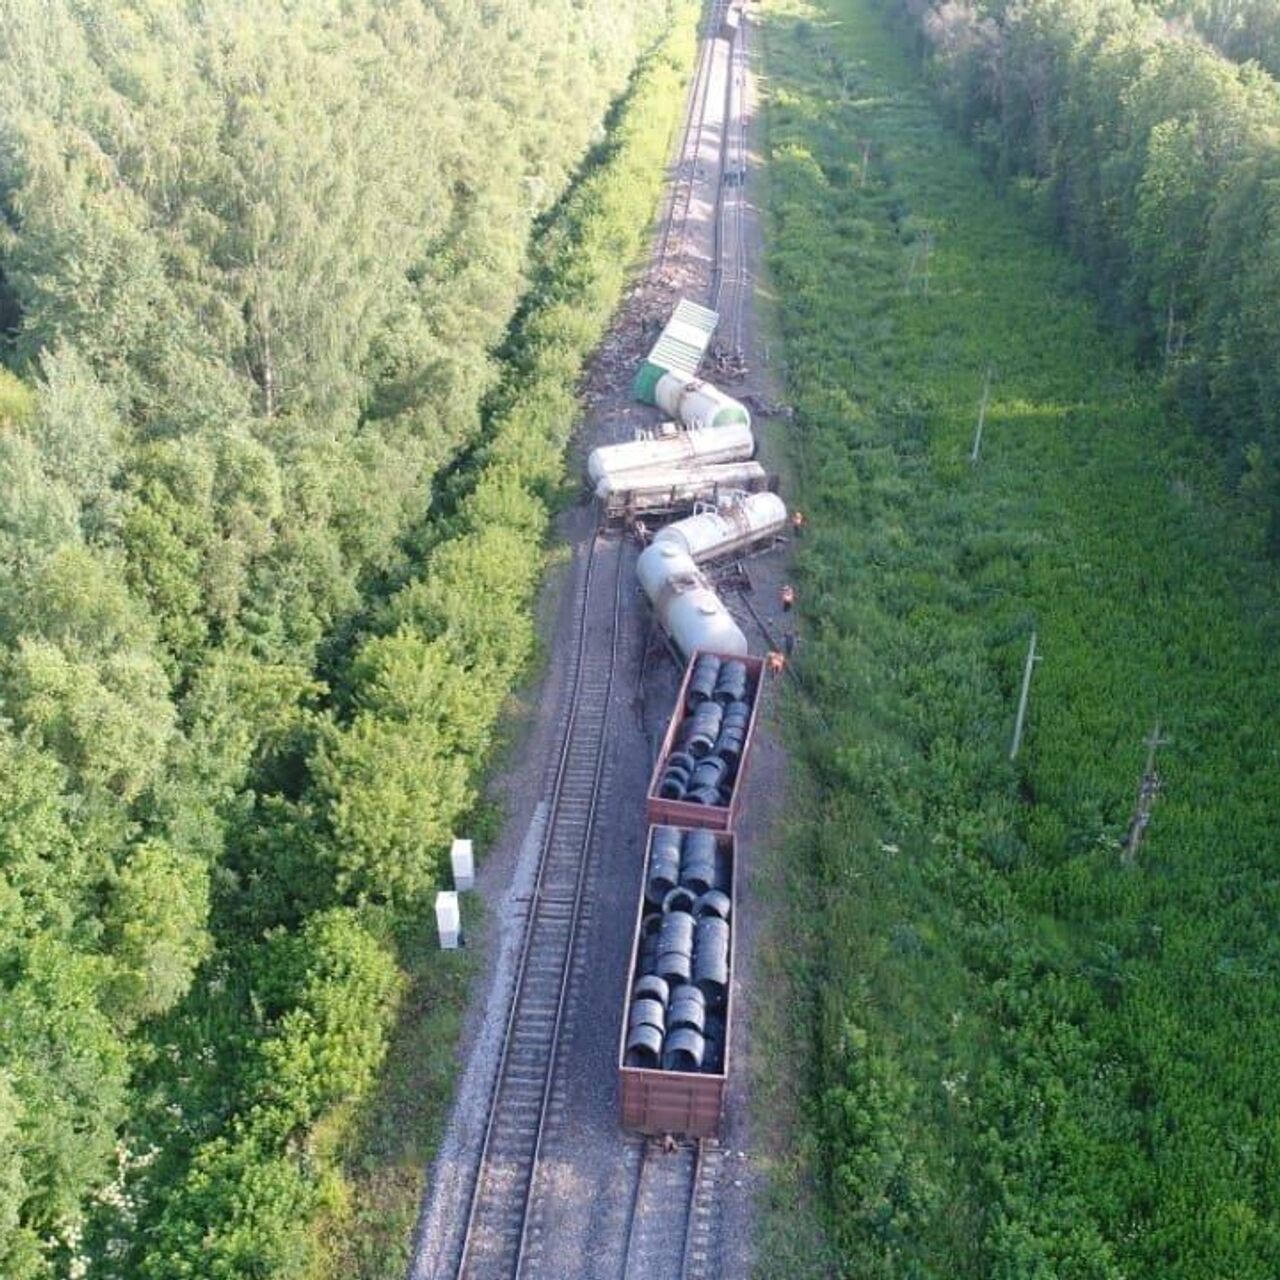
point(670, 449)
point(665, 489)
point(673, 1051)
point(687, 606)
point(697, 780)
point(732, 526)
point(698, 404)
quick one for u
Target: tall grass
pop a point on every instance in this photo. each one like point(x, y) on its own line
point(1027, 1058)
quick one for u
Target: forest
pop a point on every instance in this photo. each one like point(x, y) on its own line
point(1008, 1040)
point(294, 300)
point(1245, 31)
point(1155, 158)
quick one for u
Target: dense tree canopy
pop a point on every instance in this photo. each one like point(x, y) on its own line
point(255, 259)
point(1243, 30)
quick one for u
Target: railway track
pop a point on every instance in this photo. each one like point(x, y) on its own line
point(730, 277)
point(497, 1226)
point(672, 1215)
point(671, 1230)
point(675, 233)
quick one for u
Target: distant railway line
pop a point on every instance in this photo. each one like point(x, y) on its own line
point(673, 240)
point(729, 278)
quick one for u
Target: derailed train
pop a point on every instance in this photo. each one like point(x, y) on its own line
point(673, 1050)
point(702, 459)
point(616, 465)
point(687, 606)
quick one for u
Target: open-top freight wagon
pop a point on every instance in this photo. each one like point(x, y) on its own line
point(697, 779)
point(673, 1052)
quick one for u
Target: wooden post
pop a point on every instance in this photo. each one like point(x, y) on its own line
point(982, 416)
point(1148, 789)
point(1032, 659)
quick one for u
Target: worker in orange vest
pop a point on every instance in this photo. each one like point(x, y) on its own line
point(788, 597)
point(797, 522)
point(775, 663)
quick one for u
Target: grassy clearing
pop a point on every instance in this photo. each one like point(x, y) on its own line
point(1021, 1057)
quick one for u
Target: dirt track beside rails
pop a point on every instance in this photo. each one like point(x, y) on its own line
point(585, 1186)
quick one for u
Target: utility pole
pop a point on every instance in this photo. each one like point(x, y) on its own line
point(982, 416)
point(1148, 789)
point(1032, 659)
point(911, 268)
point(920, 262)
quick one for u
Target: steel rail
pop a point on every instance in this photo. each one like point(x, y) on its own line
point(547, 914)
point(657, 1242)
point(695, 125)
point(629, 1239)
point(705, 1167)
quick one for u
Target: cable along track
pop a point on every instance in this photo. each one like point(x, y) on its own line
point(498, 1217)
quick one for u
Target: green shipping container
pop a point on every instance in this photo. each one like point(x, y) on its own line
point(679, 348)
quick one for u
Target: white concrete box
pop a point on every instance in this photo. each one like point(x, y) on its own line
point(448, 919)
point(464, 865)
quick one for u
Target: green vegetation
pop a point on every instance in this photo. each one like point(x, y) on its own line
point(1024, 1055)
point(1243, 30)
point(271, 528)
point(1156, 159)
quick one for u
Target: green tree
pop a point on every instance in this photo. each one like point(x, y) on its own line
point(154, 929)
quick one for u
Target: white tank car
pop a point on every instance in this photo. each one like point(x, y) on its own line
point(689, 610)
point(732, 526)
point(733, 443)
point(697, 403)
point(685, 484)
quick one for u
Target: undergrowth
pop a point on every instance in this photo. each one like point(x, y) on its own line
point(1024, 1054)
